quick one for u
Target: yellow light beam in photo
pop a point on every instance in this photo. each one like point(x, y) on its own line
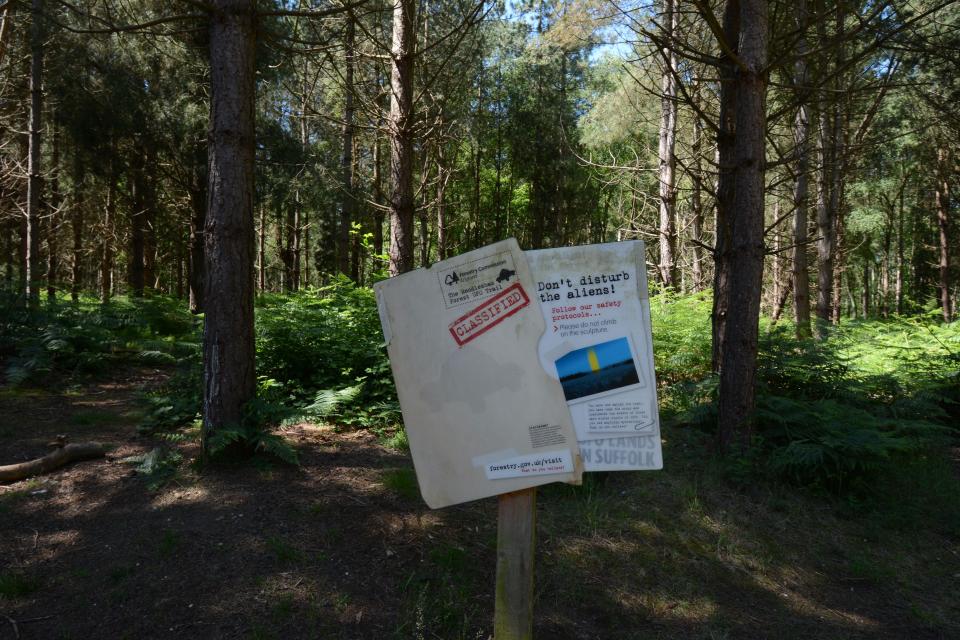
point(594, 362)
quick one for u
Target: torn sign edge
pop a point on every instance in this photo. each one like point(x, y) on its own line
point(642, 355)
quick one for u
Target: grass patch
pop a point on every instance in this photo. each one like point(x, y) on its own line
point(120, 573)
point(283, 551)
point(393, 438)
point(16, 585)
point(402, 481)
point(283, 609)
point(170, 541)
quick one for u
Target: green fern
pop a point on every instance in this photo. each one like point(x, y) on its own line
point(327, 401)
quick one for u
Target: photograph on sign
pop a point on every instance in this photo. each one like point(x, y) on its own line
point(598, 368)
point(482, 416)
point(599, 346)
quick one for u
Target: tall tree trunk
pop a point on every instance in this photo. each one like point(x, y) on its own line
point(942, 195)
point(825, 227)
point(262, 251)
point(178, 274)
point(8, 249)
point(401, 139)
point(378, 213)
point(901, 242)
point(76, 224)
point(347, 196)
point(56, 203)
point(228, 339)
point(285, 219)
point(109, 216)
point(666, 150)
point(885, 264)
point(745, 217)
point(841, 116)
point(726, 190)
point(696, 198)
point(801, 138)
point(138, 228)
point(5, 20)
point(34, 180)
point(305, 282)
point(477, 160)
point(498, 161)
point(151, 277)
point(442, 177)
point(196, 265)
point(359, 219)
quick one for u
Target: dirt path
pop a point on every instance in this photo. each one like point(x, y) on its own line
point(343, 547)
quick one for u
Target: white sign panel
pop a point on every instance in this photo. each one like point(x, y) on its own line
point(599, 346)
point(482, 416)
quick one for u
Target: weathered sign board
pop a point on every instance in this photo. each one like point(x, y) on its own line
point(515, 370)
point(518, 369)
point(482, 416)
point(598, 344)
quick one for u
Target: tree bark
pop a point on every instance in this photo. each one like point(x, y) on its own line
point(901, 242)
point(825, 227)
point(34, 179)
point(198, 219)
point(745, 217)
point(138, 228)
point(942, 196)
point(726, 139)
point(54, 460)
point(865, 298)
point(262, 251)
point(801, 138)
point(56, 202)
point(109, 216)
point(442, 176)
point(378, 213)
point(696, 199)
point(401, 139)
point(150, 275)
point(228, 339)
point(347, 196)
point(667, 151)
point(76, 224)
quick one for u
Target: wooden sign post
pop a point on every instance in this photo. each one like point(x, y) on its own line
point(516, 533)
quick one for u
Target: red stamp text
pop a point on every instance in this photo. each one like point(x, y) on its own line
point(489, 314)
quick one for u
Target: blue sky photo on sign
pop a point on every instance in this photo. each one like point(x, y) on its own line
point(597, 368)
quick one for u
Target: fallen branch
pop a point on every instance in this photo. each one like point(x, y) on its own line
point(13, 623)
point(63, 455)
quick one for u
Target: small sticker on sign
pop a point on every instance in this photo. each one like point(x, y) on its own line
point(538, 464)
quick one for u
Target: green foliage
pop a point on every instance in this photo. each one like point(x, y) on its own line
point(283, 551)
point(835, 414)
point(61, 338)
point(16, 585)
point(252, 438)
point(324, 347)
point(158, 467)
point(681, 336)
point(403, 482)
point(834, 444)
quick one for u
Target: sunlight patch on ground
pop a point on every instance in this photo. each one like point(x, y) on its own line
point(186, 495)
point(806, 606)
point(699, 610)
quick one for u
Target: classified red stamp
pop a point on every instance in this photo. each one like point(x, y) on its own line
point(489, 314)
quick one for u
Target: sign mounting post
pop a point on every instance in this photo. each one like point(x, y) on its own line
point(516, 542)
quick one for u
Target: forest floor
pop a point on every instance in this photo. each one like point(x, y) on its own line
point(343, 547)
